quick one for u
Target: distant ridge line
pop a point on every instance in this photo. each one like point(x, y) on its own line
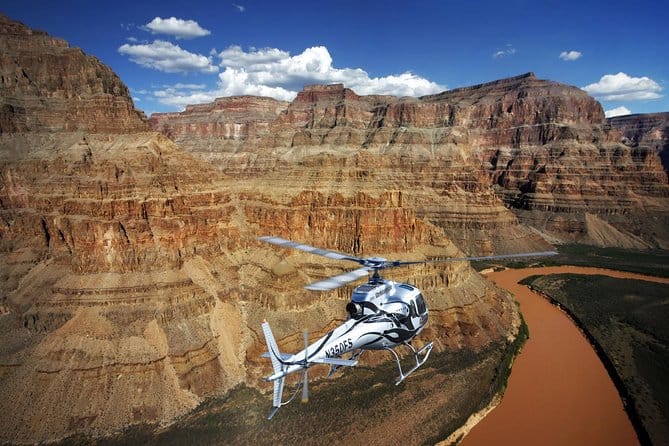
point(506, 80)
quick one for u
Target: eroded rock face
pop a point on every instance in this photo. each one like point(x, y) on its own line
point(133, 288)
point(646, 130)
point(224, 124)
point(132, 284)
point(498, 166)
point(47, 86)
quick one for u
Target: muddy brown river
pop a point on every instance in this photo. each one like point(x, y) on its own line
point(559, 392)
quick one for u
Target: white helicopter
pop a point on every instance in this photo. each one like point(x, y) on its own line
point(383, 314)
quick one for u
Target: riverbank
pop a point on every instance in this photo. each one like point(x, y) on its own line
point(625, 321)
point(559, 392)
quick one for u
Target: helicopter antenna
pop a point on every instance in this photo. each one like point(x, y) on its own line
point(376, 264)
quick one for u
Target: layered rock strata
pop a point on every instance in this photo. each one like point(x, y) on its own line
point(47, 86)
point(645, 130)
point(133, 286)
point(222, 126)
point(502, 165)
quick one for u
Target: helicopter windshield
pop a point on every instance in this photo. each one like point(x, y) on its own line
point(420, 304)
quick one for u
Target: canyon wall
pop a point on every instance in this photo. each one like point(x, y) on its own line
point(47, 86)
point(132, 284)
point(502, 166)
point(645, 130)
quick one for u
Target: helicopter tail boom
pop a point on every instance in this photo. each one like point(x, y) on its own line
point(285, 364)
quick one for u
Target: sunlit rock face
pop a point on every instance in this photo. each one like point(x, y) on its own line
point(501, 166)
point(47, 86)
point(649, 130)
point(132, 284)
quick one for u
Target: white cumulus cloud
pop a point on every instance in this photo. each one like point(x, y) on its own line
point(570, 55)
point(235, 57)
point(618, 111)
point(165, 56)
point(274, 72)
point(187, 86)
point(180, 28)
point(622, 87)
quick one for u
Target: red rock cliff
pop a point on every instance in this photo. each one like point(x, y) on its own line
point(47, 86)
point(646, 130)
point(498, 163)
point(132, 286)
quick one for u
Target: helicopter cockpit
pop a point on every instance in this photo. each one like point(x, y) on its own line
point(401, 300)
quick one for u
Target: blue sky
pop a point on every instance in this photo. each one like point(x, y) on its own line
point(175, 53)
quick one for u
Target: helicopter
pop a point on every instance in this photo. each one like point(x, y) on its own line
point(383, 314)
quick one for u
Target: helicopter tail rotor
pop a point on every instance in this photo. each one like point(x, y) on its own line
point(277, 364)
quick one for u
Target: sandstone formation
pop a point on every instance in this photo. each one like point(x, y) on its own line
point(222, 125)
point(47, 86)
point(500, 166)
point(646, 130)
point(132, 285)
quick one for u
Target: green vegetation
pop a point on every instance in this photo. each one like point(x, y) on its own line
point(626, 320)
point(510, 354)
point(654, 263)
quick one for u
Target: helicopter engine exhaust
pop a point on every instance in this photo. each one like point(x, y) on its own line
point(354, 309)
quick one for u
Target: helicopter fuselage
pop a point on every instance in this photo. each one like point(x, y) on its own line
point(382, 315)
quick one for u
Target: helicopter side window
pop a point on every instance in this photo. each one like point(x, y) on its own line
point(420, 303)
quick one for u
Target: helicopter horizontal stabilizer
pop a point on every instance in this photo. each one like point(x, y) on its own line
point(282, 356)
point(336, 361)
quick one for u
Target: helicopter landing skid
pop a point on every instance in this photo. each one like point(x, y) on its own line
point(419, 356)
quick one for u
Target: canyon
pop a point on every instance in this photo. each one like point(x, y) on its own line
point(133, 286)
point(506, 166)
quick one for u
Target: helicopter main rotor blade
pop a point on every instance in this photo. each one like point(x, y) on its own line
point(495, 257)
point(395, 263)
point(310, 249)
point(336, 281)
